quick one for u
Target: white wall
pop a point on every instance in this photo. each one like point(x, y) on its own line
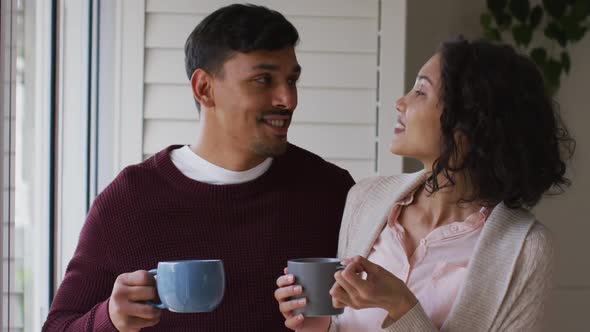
point(566, 215)
point(337, 114)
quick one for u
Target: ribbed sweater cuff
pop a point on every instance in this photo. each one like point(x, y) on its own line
point(415, 320)
point(102, 320)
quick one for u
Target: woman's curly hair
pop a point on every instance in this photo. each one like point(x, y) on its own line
point(516, 144)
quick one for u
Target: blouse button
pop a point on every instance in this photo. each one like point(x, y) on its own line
point(423, 242)
point(454, 228)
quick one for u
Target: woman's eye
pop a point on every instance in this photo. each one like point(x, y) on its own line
point(419, 93)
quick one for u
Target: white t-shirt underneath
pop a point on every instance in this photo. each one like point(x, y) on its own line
point(194, 167)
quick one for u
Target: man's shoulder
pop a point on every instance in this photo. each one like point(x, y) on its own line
point(306, 160)
point(133, 180)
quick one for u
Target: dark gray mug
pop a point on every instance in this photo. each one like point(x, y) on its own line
point(316, 277)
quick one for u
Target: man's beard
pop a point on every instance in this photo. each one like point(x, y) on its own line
point(267, 149)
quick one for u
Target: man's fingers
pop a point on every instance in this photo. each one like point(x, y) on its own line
point(139, 323)
point(141, 293)
point(142, 310)
point(137, 278)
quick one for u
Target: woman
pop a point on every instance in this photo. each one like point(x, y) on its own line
point(455, 246)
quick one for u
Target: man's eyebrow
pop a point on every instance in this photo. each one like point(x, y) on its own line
point(271, 67)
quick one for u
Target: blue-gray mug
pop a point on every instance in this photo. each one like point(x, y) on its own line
point(190, 285)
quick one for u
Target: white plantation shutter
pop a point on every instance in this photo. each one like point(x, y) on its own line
point(339, 52)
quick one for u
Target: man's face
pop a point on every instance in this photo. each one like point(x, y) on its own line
point(255, 95)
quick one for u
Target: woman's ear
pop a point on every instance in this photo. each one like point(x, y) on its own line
point(202, 86)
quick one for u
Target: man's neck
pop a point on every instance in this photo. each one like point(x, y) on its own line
point(230, 158)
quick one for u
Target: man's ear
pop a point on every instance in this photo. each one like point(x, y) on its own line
point(202, 85)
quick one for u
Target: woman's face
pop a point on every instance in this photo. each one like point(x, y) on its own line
point(417, 132)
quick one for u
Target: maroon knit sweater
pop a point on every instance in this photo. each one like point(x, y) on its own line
point(151, 212)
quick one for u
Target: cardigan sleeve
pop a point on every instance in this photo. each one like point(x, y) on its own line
point(415, 320)
point(532, 281)
point(523, 307)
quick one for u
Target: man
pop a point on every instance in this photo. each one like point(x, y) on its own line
point(240, 193)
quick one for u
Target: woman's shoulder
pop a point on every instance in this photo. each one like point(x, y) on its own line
point(385, 184)
point(539, 244)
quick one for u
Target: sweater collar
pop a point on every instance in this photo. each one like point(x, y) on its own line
point(174, 176)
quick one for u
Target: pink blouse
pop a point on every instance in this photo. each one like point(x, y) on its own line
point(434, 273)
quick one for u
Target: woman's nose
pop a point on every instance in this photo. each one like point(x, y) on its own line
point(400, 106)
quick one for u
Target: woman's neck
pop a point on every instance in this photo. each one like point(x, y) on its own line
point(445, 206)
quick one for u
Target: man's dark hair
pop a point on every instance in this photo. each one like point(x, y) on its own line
point(236, 28)
point(517, 144)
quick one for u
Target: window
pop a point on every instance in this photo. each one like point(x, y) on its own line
point(32, 170)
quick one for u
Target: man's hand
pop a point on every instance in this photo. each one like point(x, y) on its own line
point(126, 308)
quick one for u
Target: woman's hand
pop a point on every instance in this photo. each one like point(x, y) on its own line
point(380, 289)
point(286, 290)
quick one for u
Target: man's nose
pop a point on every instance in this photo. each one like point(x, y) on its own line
point(285, 97)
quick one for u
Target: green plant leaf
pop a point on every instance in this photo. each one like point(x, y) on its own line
point(486, 20)
point(520, 9)
point(573, 29)
point(552, 71)
point(555, 31)
point(580, 9)
point(492, 34)
point(503, 20)
point(539, 55)
point(565, 61)
point(496, 6)
point(522, 34)
point(555, 8)
point(536, 16)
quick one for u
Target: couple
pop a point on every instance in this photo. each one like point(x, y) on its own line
point(453, 246)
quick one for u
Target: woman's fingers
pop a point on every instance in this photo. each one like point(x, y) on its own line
point(285, 280)
point(365, 265)
point(339, 297)
point(287, 307)
point(283, 293)
point(294, 322)
point(342, 278)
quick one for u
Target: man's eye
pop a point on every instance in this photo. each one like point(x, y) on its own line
point(263, 80)
point(293, 81)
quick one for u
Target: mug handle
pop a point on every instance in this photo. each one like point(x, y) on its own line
point(154, 272)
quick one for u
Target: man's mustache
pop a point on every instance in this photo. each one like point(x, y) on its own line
point(281, 112)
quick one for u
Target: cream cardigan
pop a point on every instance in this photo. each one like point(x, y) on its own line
point(509, 275)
